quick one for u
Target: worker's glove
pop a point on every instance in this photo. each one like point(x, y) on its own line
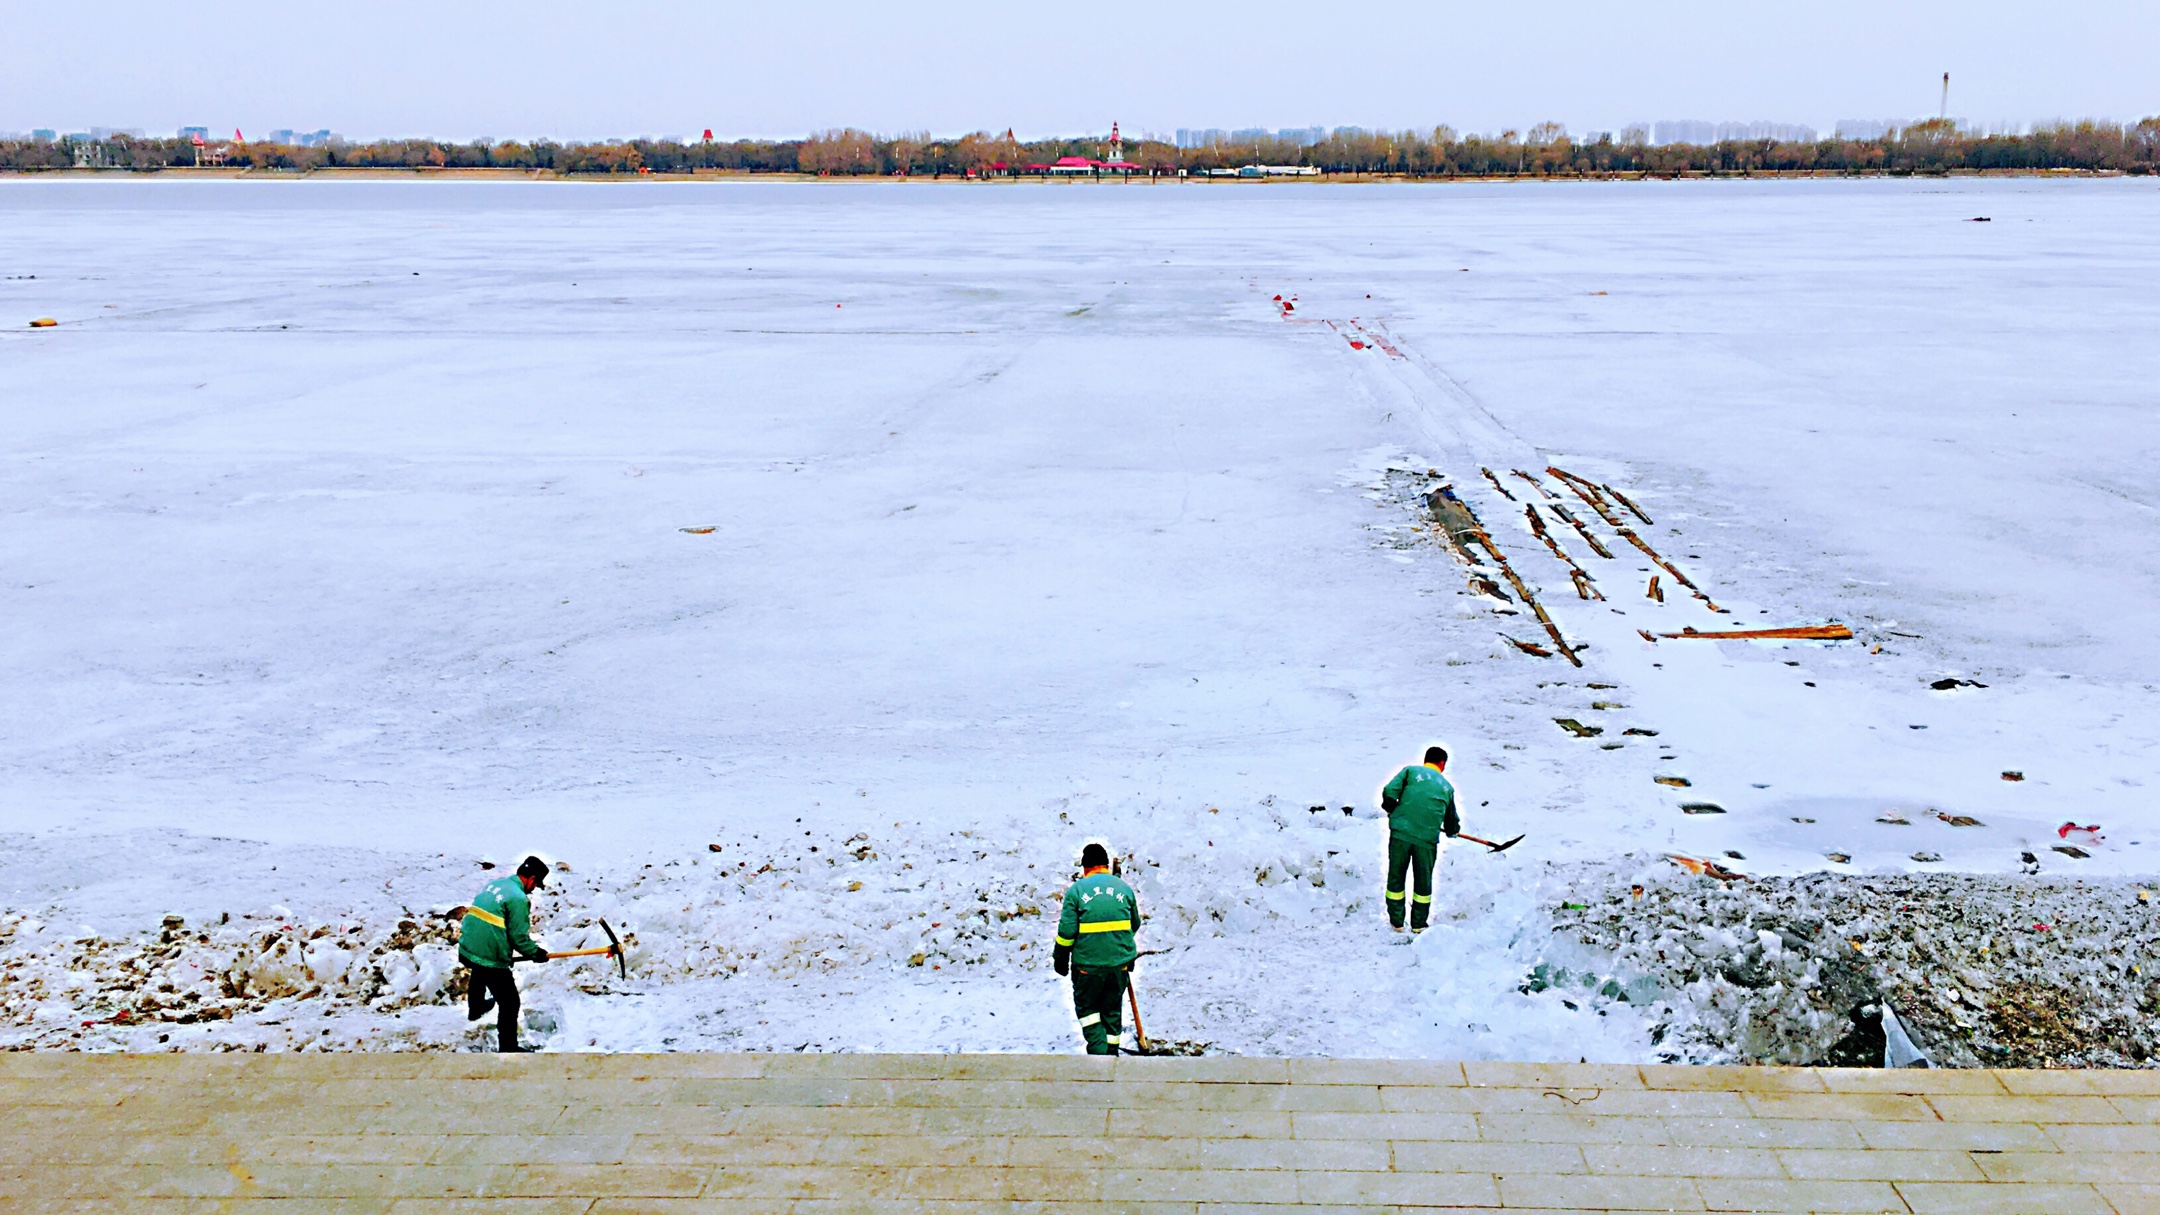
point(540, 955)
point(1061, 959)
point(1454, 833)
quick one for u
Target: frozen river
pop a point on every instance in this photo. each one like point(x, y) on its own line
point(359, 528)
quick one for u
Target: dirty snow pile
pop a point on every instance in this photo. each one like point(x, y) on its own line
point(1981, 971)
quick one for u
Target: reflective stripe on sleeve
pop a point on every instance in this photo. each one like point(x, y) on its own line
point(1065, 942)
point(1107, 926)
point(485, 917)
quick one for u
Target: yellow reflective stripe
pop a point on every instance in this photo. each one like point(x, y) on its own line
point(485, 917)
point(1394, 894)
point(1107, 926)
point(1065, 941)
point(1421, 898)
point(1090, 1019)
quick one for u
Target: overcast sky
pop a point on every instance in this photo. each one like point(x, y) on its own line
point(462, 69)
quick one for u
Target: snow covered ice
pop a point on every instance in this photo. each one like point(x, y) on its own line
point(356, 533)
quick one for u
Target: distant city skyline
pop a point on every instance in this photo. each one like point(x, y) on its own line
point(673, 68)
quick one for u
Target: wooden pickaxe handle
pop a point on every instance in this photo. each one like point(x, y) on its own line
point(1139, 1032)
point(580, 953)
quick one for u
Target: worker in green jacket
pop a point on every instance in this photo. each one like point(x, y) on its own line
point(1095, 942)
point(499, 921)
point(1420, 805)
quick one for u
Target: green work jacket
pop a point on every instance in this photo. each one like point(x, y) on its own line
point(499, 920)
point(1097, 922)
point(1420, 805)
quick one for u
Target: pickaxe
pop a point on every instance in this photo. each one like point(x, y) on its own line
point(1489, 844)
point(1139, 1033)
point(613, 949)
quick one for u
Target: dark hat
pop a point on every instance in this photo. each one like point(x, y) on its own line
point(534, 868)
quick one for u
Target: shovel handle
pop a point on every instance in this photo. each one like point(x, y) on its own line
point(1502, 847)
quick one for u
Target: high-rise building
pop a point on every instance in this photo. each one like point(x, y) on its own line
point(1783, 132)
point(1683, 130)
point(1303, 137)
point(1196, 137)
point(1696, 131)
point(194, 132)
point(44, 135)
point(283, 135)
point(1866, 128)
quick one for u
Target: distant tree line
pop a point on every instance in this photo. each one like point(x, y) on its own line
point(1543, 151)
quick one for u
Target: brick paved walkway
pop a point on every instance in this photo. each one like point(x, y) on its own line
point(798, 1134)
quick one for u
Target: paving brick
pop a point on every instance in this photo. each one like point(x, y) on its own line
point(1569, 1128)
point(480, 1207)
point(2135, 1108)
point(1641, 1161)
point(1405, 1189)
point(1243, 1097)
point(2099, 1138)
point(602, 1180)
point(1895, 1164)
point(1762, 1194)
point(1767, 1132)
point(1601, 1192)
point(495, 1149)
point(1617, 1103)
point(2039, 1083)
point(942, 1067)
point(731, 1149)
point(1312, 1208)
point(1955, 1136)
point(1341, 1155)
point(1734, 1079)
point(1220, 1070)
point(1850, 1107)
point(1422, 1072)
point(1974, 1198)
point(1551, 1075)
point(2026, 1109)
point(2071, 1167)
point(947, 1207)
point(1199, 1124)
point(1921, 1081)
point(2137, 1199)
point(1201, 1185)
point(1000, 1122)
point(914, 1151)
point(1314, 1125)
point(2140, 1082)
point(1435, 1156)
point(688, 1120)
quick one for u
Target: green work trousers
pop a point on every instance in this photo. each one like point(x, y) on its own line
point(1410, 858)
point(1098, 1000)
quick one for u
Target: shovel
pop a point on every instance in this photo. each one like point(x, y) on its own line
point(1489, 844)
point(613, 948)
